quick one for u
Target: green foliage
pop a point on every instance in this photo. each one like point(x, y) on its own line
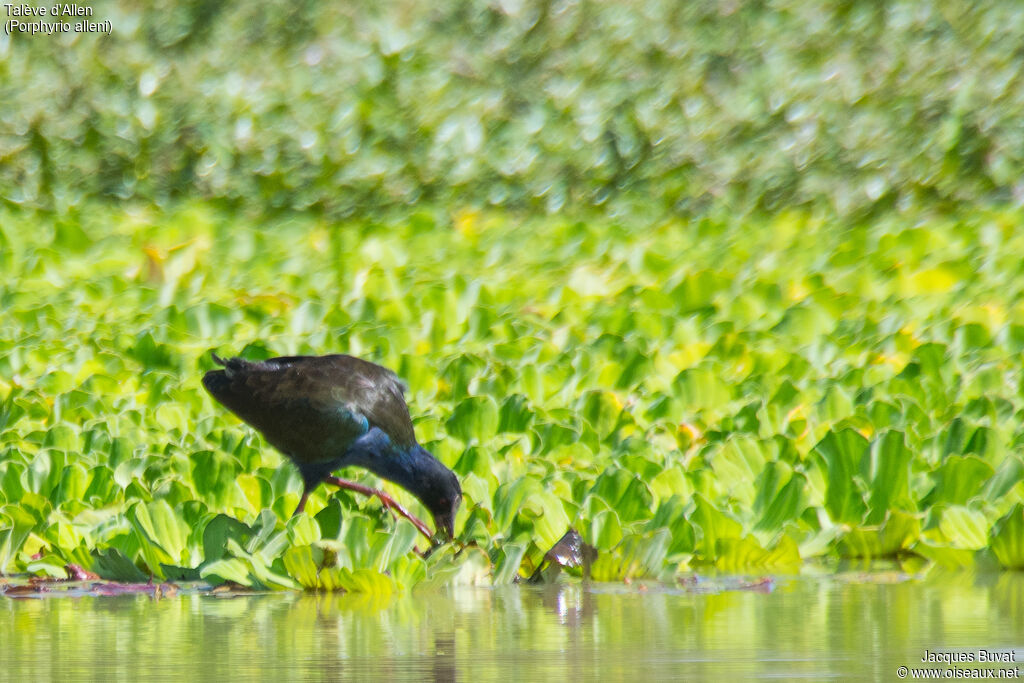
point(787, 390)
point(1008, 538)
point(638, 105)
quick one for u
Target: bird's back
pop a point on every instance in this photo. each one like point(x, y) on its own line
point(313, 407)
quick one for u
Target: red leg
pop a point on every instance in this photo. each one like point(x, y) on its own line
point(302, 501)
point(387, 500)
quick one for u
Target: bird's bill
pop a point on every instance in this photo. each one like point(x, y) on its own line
point(444, 526)
point(444, 521)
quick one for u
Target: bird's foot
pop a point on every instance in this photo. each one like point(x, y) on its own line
point(387, 500)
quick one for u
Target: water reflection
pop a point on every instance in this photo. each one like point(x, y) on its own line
point(817, 628)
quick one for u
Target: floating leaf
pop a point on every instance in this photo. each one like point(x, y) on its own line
point(162, 534)
point(842, 453)
point(474, 418)
point(886, 467)
point(111, 564)
point(715, 526)
point(13, 534)
point(781, 497)
point(897, 532)
point(1007, 538)
point(958, 479)
point(515, 414)
point(746, 554)
point(625, 493)
point(605, 530)
point(964, 528)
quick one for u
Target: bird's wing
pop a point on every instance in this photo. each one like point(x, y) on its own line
point(342, 387)
point(374, 391)
point(295, 405)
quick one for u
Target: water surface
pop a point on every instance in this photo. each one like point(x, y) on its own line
point(842, 627)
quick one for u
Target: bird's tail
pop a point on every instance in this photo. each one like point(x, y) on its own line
point(218, 382)
point(232, 366)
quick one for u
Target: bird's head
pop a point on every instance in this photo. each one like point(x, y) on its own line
point(439, 491)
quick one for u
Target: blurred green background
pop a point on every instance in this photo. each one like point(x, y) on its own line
point(353, 108)
point(716, 283)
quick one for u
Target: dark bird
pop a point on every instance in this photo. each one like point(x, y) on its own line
point(329, 412)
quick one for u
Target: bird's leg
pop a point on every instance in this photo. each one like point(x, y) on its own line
point(306, 490)
point(387, 500)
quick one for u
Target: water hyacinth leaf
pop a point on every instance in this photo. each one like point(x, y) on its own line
point(474, 418)
point(44, 472)
point(302, 563)
point(736, 465)
point(175, 573)
point(602, 410)
point(836, 405)
point(218, 531)
point(509, 500)
point(49, 566)
point(360, 542)
point(842, 453)
point(931, 358)
point(701, 388)
point(550, 435)
point(510, 558)
point(985, 443)
point(231, 569)
point(696, 291)
point(62, 437)
point(964, 528)
point(804, 322)
point(549, 519)
point(366, 581)
point(625, 493)
point(173, 419)
point(266, 528)
point(162, 534)
point(451, 566)
point(1009, 474)
point(476, 461)
point(671, 515)
point(477, 490)
point(214, 474)
point(671, 482)
point(73, 483)
point(945, 556)
point(886, 467)
point(515, 414)
point(605, 530)
point(257, 490)
point(18, 524)
point(746, 554)
point(714, 525)
point(474, 568)
point(1007, 538)
point(303, 530)
point(959, 479)
point(329, 519)
point(261, 573)
point(408, 571)
point(781, 497)
point(12, 477)
point(637, 556)
point(10, 410)
point(103, 489)
point(898, 532)
point(62, 534)
point(376, 549)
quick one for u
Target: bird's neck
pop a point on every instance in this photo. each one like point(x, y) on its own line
point(402, 465)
